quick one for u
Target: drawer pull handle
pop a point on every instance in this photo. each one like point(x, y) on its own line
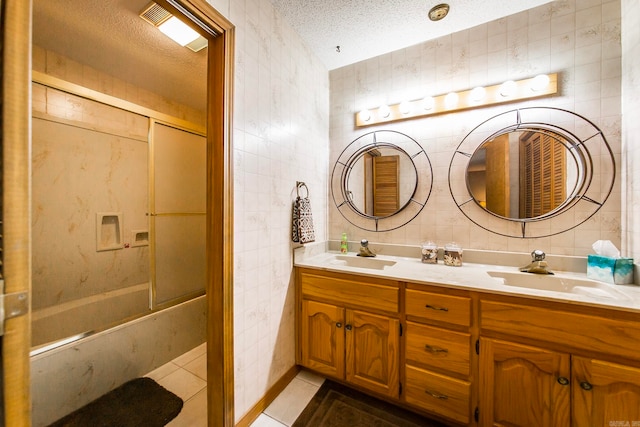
point(435, 307)
point(563, 381)
point(436, 395)
point(434, 349)
point(348, 327)
point(586, 385)
point(338, 325)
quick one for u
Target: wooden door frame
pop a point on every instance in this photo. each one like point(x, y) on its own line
point(16, 143)
point(219, 233)
point(16, 140)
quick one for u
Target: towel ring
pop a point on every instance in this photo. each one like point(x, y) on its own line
point(300, 184)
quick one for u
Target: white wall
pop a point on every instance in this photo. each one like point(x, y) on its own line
point(580, 39)
point(280, 136)
point(631, 128)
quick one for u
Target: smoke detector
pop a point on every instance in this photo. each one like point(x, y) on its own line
point(438, 12)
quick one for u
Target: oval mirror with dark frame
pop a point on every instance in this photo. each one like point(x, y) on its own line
point(381, 180)
point(530, 165)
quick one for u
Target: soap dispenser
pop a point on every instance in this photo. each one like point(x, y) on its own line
point(344, 245)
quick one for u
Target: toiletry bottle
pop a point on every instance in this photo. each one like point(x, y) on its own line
point(344, 247)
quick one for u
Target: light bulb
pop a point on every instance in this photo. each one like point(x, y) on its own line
point(451, 100)
point(405, 107)
point(477, 94)
point(428, 103)
point(365, 115)
point(384, 111)
point(539, 82)
point(508, 88)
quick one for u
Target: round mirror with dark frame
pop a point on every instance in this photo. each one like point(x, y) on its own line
point(530, 165)
point(381, 180)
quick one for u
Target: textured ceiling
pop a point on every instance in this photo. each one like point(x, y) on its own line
point(109, 36)
point(366, 28)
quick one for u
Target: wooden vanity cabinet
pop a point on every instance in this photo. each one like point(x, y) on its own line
point(604, 393)
point(349, 329)
point(557, 366)
point(523, 385)
point(438, 352)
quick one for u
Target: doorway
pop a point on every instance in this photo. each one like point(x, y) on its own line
point(17, 75)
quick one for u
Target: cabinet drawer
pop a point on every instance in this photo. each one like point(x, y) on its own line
point(443, 308)
point(351, 292)
point(439, 394)
point(438, 348)
point(569, 329)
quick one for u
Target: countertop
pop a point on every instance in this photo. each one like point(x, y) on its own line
point(474, 276)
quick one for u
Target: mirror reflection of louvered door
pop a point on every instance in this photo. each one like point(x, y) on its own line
point(542, 174)
point(386, 185)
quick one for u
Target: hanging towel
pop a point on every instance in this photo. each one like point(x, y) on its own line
point(302, 230)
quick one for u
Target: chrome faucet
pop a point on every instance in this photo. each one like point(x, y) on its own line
point(364, 249)
point(538, 265)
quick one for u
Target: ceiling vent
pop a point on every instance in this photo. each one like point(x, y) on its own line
point(156, 15)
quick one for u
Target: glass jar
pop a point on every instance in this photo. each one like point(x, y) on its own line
point(452, 255)
point(429, 253)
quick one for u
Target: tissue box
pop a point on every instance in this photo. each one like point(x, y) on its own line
point(611, 270)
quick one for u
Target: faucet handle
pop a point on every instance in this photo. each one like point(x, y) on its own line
point(537, 255)
point(364, 243)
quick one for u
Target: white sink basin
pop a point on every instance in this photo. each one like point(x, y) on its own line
point(558, 284)
point(362, 262)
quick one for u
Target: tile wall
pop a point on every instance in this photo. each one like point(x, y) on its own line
point(580, 39)
point(631, 128)
point(280, 136)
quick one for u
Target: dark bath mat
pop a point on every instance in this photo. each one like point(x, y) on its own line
point(335, 405)
point(139, 402)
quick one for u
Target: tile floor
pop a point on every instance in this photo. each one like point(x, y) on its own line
point(186, 376)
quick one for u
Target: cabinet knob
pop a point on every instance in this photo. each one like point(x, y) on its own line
point(348, 327)
point(434, 349)
point(586, 385)
point(338, 325)
point(437, 308)
point(563, 381)
point(436, 395)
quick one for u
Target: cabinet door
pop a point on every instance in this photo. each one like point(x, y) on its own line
point(372, 352)
point(322, 338)
point(605, 394)
point(522, 385)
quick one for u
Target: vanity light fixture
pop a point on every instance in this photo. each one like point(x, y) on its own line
point(507, 88)
point(365, 115)
point(428, 103)
point(173, 27)
point(477, 94)
point(405, 107)
point(509, 91)
point(451, 100)
point(539, 82)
